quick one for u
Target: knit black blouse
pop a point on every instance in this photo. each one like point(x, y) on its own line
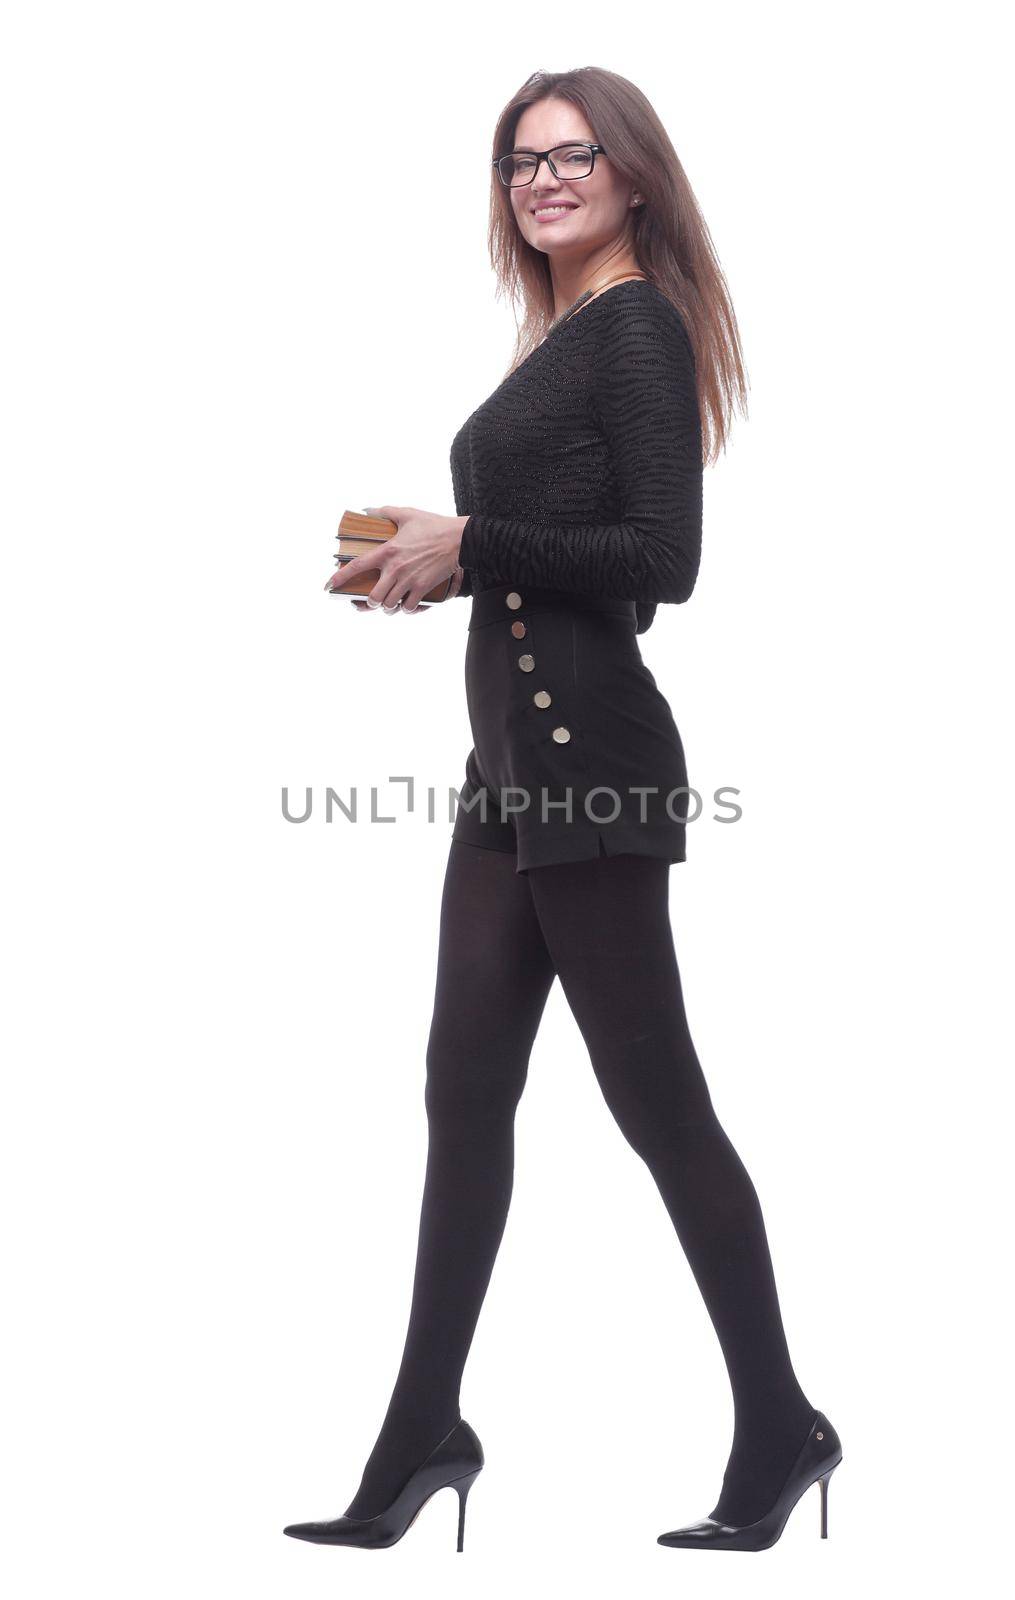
point(583, 470)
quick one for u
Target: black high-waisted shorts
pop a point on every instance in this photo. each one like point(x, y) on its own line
point(576, 753)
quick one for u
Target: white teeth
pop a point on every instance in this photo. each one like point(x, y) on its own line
point(549, 211)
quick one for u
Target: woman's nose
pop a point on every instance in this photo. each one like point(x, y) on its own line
point(547, 180)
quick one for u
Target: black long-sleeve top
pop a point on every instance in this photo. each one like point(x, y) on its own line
point(583, 470)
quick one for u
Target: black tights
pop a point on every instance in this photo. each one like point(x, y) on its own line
point(603, 927)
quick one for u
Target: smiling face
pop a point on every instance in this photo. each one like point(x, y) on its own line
point(565, 218)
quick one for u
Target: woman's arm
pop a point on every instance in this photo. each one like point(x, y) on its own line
point(645, 397)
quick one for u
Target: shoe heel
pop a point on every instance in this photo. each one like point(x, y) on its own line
point(823, 1480)
point(463, 1485)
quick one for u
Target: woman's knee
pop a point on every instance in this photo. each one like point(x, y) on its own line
point(473, 1085)
point(653, 1093)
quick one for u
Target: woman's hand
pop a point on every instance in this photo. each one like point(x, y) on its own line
point(411, 563)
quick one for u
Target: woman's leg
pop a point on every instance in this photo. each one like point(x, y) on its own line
point(493, 977)
point(607, 927)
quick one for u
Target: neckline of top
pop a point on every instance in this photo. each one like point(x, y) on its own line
point(603, 294)
point(577, 311)
point(568, 322)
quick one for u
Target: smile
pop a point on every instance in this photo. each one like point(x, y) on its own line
point(552, 211)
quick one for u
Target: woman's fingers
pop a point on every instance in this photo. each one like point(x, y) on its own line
point(375, 563)
point(361, 603)
point(393, 513)
point(355, 568)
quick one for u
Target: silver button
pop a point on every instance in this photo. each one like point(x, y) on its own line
point(518, 629)
point(562, 735)
point(541, 698)
point(513, 600)
point(527, 663)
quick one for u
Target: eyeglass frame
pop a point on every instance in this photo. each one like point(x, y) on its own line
point(544, 155)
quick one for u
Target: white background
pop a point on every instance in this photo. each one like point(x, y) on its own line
point(243, 294)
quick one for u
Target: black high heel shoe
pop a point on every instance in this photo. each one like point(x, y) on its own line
point(455, 1463)
point(818, 1459)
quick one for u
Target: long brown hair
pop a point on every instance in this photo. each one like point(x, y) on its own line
point(671, 241)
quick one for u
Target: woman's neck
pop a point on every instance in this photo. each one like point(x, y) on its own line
point(569, 283)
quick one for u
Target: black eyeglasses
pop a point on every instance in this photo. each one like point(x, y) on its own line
point(563, 160)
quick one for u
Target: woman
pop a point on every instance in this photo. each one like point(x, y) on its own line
point(578, 488)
